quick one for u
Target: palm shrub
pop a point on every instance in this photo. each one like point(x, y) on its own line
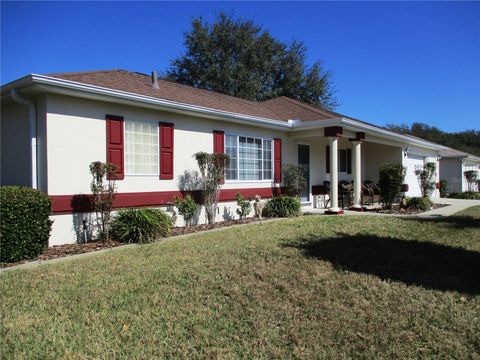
point(426, 178)
point(244, 206)
point(419, 203)
point(187, 208)
point(140, 225)
point(391, 177)
point(293, 180)
point(24, 223)
point(282, 206)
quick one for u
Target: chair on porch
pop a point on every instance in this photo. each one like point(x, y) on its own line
point(375, 191)
point(345, 194)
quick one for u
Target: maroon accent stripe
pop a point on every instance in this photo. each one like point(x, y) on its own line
point(333, 131)
point(67, 204)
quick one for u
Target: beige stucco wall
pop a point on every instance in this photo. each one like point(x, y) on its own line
point(77, 136)
point(16, 164)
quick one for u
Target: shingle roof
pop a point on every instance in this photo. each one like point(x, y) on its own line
point(281, 108)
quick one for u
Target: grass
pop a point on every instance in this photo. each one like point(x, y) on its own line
point(310, 287)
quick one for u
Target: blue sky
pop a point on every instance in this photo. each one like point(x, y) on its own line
point(391, 62)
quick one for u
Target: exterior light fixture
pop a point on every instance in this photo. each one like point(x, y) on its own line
point(406, 151)
point(439, 157)
point(169, 206)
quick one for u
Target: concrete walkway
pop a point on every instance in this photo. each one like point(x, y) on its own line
point(455, 205)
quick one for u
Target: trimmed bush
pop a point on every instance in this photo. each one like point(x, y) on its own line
point(391, 178)
point(187, 208)
point(140, 225)
point(25, 223)
point(419, 203)
point(467, 195)
point(282, 206)
point(443, 188)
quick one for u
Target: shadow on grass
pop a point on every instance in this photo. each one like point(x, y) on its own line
point(460, 222)
point(423, 264)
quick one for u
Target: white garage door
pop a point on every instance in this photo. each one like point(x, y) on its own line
point(410, 177)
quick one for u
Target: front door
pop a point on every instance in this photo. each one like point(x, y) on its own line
point(304, 163)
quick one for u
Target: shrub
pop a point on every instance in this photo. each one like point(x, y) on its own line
point(25, 224)
point(244, 206)
point(212, 168)
point(282, 206)
point(293, 180)
point(471, 176)
point(419, 203)
point(140, 225)
point(467, 195)
point(443, 188)
point(187, 208)
point(104, 192)
point(426, 178)
point(391, 178)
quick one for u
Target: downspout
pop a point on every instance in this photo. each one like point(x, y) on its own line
point(32, 118)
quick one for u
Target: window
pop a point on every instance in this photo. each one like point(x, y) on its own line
point(250, 158)
point(141, 148)
point(342, 160)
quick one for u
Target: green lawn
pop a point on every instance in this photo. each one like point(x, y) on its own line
point(310, 287)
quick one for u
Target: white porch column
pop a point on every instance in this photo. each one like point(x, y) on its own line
point(357, 172)
point(333, 175)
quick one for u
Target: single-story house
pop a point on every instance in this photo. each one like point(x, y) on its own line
point(453, 165)
point(53, 126)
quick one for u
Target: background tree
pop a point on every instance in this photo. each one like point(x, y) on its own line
point(468, 140)
point(239, 58)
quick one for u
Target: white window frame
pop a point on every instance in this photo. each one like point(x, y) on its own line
point(238, 135)
point(157, 174)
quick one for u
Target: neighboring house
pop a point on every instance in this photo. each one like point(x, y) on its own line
point(53, 126)
point(453, 165)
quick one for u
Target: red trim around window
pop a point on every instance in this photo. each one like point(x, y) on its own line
point(115, 143)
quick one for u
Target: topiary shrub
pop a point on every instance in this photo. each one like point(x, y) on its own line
point(419, 203)
point(293, 179)
point(244, 206)
point(140, 225)
point(443, 188)
point(187, 208)
point(282, 206)
point(25, 223)
point(391, 178)
point(466, 195)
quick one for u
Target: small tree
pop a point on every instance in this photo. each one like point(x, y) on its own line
point(472, 177)
point(244, 206)
point(187, 208)
point(426, 178)
point(212, 167)
point(391, 177)
point(294, 180)
point(104, 192)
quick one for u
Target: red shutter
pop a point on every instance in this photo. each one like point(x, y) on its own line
point(218, 142)
point(327, 159)
point(219, 145)
point(115, 143)
point(277, 160)
point(166, 151)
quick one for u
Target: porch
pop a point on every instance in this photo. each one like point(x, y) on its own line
point(341, 167)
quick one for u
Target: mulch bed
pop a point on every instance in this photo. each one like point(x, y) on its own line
point(58, 251)
point(402, 211)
